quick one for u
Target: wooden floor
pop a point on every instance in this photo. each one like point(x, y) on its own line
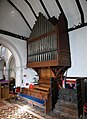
point(63, 110)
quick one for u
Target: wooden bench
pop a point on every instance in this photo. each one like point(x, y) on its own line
point(33, 100)
point(38, 96)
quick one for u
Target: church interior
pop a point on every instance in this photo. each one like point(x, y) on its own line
point(43, 61)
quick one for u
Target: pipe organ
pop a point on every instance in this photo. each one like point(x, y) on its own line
point(49, 51)
point(44, 49)
point(48, 44)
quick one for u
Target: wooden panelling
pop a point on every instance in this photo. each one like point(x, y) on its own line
point(4, 89)
point(43, 64)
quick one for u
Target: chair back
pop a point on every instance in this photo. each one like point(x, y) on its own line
point(18, 89)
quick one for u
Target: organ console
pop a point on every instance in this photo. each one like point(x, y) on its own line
point(49, 54)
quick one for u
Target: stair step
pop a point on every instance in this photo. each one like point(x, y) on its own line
point(66, 105)
point(64, 114)
point(66, 109)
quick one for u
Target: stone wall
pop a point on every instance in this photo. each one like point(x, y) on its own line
point(68, 95)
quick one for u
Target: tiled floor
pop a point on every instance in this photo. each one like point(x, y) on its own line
point(62, 110)
point(15, 111)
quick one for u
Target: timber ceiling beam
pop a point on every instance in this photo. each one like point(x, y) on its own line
point(80, 10)
point(20, 14)
point(59, 6)
point(12, 34)
point(31, 8)
point(44, 8)
point(77, 27)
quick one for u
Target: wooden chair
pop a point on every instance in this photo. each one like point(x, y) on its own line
point(15, 93)
point(85, 111)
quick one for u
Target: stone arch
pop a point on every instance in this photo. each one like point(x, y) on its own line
point(3, 58)
point(17, 58)
point(9, 64)
point(2, 64)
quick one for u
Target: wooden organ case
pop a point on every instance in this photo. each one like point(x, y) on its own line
point(49, 54)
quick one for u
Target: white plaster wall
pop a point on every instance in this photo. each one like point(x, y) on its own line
point(20, 45)
point(14, 45)
point(78, 45)
point(11, 20)
point(20, 50)
point(28, 75)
